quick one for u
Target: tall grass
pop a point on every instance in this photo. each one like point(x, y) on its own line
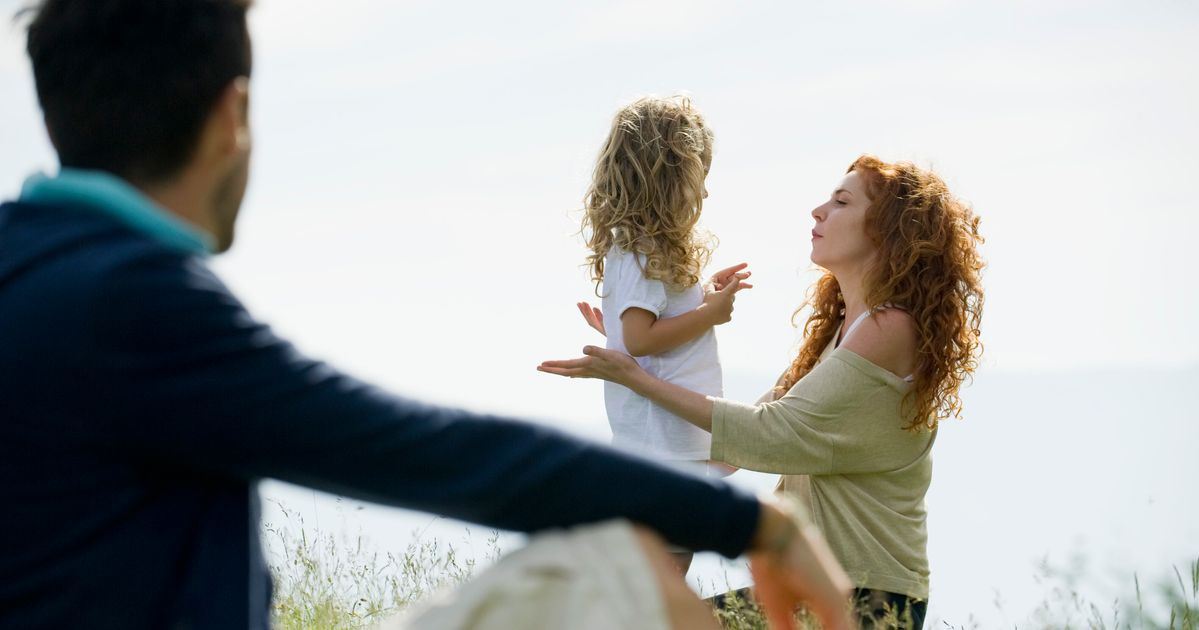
point(1170, 602)
point(328, 582)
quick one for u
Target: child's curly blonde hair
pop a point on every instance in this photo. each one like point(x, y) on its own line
point(647, 191)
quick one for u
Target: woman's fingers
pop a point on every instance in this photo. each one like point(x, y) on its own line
point(597, 362)
point(605, 358)
point(560, 371)
point(584, 367)
point(567, 363)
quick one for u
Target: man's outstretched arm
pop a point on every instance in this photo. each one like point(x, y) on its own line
point(192, 381)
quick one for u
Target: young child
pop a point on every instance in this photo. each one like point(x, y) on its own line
point(646, 258)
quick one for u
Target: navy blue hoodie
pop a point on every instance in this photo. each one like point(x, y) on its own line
point(140, 402)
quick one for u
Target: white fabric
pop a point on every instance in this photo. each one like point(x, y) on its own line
point(854, 326)
point(594, 577)
point(637, 423)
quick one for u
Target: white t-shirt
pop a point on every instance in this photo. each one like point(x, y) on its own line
point(637, 423)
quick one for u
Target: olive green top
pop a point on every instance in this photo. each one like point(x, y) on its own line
point(837, 438)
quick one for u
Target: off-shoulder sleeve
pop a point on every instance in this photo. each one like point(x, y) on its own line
point(842, 418)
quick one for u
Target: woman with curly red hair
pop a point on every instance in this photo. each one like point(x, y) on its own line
point(892, 331)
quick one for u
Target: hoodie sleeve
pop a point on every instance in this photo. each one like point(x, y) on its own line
point(191, 380)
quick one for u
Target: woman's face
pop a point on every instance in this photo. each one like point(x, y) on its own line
point(839, 238)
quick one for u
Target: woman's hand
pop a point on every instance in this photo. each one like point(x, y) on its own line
point(593, 316)
point(618, 367)
point(601, 363)
point(792, 566)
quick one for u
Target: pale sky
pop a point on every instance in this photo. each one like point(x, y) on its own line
point(418, 169)
point(418, 164)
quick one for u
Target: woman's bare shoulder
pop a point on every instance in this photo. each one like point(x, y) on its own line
point(888, 339)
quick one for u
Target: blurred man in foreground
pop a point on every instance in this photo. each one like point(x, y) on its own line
point(141, 402)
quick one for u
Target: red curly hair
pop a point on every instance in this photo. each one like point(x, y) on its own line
point(928, 264)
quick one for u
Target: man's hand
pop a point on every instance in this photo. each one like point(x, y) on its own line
point(593, 316)
point(792, 565)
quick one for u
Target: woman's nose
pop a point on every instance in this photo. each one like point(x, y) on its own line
point(818, 213)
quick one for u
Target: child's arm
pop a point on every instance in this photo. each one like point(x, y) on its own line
point(645, 334)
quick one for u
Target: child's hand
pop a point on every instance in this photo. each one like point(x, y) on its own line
point(718, 303)
point(593, 316)
point(725, 276)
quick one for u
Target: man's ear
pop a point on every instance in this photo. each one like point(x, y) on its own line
point(232, 114)
point(49, 133)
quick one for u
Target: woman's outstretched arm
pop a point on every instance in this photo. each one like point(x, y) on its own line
point(823, 425)
point(620, 368)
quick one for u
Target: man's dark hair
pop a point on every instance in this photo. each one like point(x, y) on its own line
point(126, 85)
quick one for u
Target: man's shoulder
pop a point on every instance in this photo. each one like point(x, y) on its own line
point(90, 288)
point(70, 247)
